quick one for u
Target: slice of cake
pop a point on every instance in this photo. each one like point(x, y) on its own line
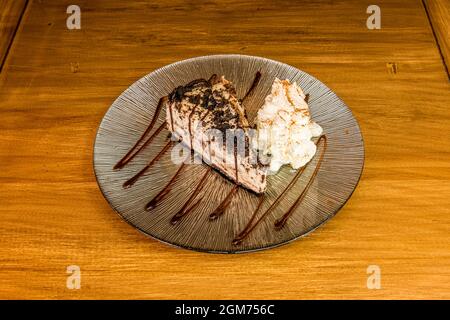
point(208, 118)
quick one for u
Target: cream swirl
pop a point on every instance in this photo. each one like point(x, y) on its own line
point(285, 128)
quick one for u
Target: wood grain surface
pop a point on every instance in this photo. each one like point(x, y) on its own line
point(56, 85)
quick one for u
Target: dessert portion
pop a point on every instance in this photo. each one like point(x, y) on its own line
point(285, 128)
point(207, 117)
point(210, 121)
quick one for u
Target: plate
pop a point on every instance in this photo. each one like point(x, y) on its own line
point(249, 222)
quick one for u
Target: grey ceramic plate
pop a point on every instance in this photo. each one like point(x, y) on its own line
point(130, 114)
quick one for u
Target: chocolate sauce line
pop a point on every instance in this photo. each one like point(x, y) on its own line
point(190, 128)
point(220, 210)
point(127, 158)
point(191, 208)
point(132, 180)
point(282, 221)
point(306, 98)
point(250, 227)
point(212, 79)
point(154, 202)
point(171, 116)
point(235, 158)
point(253, 86)
point(147, 142)
point(205, 115)
point(185, 210)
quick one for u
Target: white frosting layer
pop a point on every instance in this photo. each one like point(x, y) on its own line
point(285, 127)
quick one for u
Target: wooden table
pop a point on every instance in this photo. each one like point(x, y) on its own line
point(56, 84)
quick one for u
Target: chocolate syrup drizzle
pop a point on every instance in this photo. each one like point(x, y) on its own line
point(221, 208)
point(205, 115)
point(236, 168)
point(253, 86)
point(132, 180)
point(135, 150)
point(190, 129)
point(185, 210)
point(153, 203)
point(307, 97)
point(281, 222)
point(171, 117)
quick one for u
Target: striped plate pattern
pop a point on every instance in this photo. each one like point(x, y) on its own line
point(130, 114)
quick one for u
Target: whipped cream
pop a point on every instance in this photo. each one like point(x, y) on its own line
point(285, 128)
